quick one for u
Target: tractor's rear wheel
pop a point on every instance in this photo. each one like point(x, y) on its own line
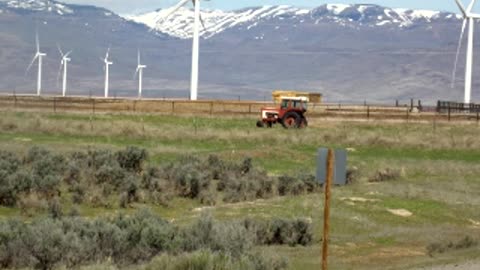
point(260, 124)
point(291, 120)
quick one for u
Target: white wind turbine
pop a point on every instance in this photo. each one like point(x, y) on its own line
point(107, 71)
point(139, 71)
point(64, 65)
point(469, 17)
point(196, 43)
point(38, 55)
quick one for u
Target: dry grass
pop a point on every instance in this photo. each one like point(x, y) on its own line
point(438, 183)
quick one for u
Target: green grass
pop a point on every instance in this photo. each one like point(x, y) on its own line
point(439, 182)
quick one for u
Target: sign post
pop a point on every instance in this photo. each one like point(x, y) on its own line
point(326, 216)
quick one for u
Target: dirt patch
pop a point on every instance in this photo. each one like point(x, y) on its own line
point(358, 199)
point(400, 212)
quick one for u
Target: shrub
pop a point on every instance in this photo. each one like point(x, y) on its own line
point(9, 162)
point(11, 252)
point(55, 208)
point(464, 243)
point(385, 175)
point(45, 242)
point(132, 158)
point(288, 185)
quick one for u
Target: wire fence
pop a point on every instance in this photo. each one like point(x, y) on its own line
point(227, 107)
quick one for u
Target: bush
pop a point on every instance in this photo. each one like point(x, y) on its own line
point(464, 243)
point(45, 242)
point(385, 175)
point(132, 158)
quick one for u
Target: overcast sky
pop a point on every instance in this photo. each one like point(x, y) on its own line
point(137, 6)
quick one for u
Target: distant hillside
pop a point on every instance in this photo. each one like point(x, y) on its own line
point(348, 52)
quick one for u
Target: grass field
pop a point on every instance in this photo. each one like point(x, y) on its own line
point(438, 169)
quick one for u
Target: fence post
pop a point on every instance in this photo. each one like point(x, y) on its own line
point(411, 104)
point(250, 108)
point(173, 107)
point(368, 112)
point(478, 117)
point(408, 114)
point(93, 106)
point(54, 104)
point(15, 101)
point(326, 215)
point(211, 108)
point(449, 115)
point(396, 103)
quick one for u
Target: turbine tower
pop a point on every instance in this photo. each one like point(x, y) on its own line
point(107, 70)
point(38, 55)
point(64, 64)
point(468, 17)
point(196, 43)
point(139, 71)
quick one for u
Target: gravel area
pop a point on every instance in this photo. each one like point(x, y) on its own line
point(472, 265)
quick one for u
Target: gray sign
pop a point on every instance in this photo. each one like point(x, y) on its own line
point(340, 168)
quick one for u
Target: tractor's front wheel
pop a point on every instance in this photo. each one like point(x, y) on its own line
point(291, 120)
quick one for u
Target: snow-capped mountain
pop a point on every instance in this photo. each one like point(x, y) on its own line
point(180, 24)
point(37, 5)
point(347, 52)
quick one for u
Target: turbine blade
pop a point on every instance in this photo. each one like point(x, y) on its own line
point(454, 73)
point(470, 6)
point(59, 73)
point(108, 54)
point(138, 57)
point(37, 41)
point(135, 74)
point(174, 9)
point(68, 53)
point(31, 64)
point(60, 50)
point(461, 7)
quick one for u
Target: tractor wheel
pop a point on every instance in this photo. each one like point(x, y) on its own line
point(291, 120)
point(260, 124)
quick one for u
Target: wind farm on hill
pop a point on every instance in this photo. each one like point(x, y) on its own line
point(263, 138)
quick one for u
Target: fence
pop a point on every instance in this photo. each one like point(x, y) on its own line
point(221, 107)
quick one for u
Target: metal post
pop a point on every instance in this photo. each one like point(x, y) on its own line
point(368, 112)
point(93, 106)
point(173, 107)
point(449, 113)
point(396, 103)
point(326, 215)
point(411, 104)
point(54, 105)
point(211, 108)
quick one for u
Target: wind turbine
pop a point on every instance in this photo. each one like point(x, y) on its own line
point(107, 69)
point(196, 42)
point(139, 71)
point(64, 64)
point(468, 17)
point(38, 55)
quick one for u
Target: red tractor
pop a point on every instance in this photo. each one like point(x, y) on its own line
point(291, 114)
